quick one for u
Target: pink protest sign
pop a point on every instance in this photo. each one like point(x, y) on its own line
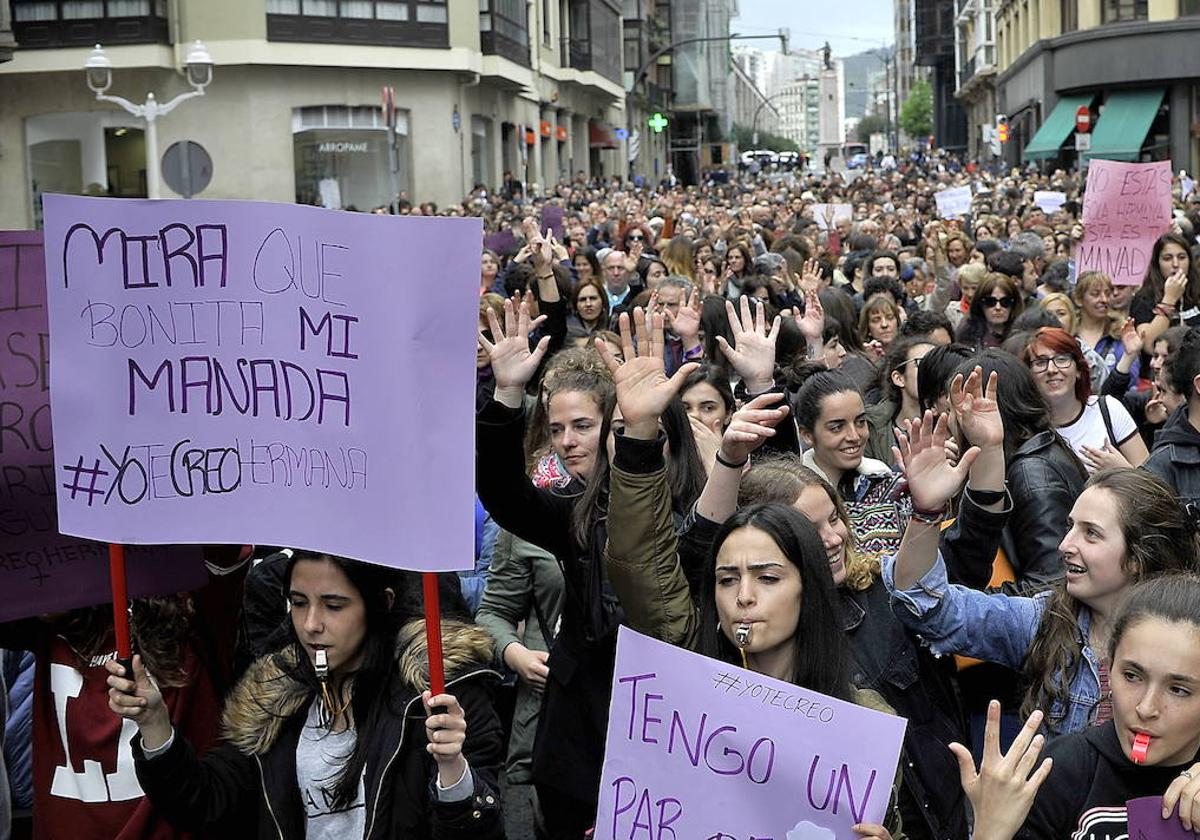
point(1126, 207)
point(700, 749)
point(1146, 821)
point(42, 571)
point(238, 372)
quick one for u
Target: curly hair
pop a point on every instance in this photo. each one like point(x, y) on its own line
point(159, 628)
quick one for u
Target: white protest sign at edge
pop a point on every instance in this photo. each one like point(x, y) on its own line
point(954, 202)
point(841, 212)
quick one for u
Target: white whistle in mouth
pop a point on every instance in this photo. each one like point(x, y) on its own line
point(321, 664)
point(742, 635)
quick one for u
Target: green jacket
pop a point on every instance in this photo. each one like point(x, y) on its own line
point(880, 438)
point(642, 562)
point(523, 583)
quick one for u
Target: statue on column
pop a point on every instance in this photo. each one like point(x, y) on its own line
point(827, 53)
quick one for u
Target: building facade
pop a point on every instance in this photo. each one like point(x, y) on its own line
point(1132, 63)
point(975, 58)
point(483, 87)
point(752, 108)
point(934, 28)
point(701, 129)
point(800, 113)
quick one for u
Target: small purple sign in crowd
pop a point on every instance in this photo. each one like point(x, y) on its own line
point(234, 371)
point(42, 571)
point(700, 749)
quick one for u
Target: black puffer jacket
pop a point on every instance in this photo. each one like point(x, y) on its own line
point(255, 766)
point(1176, 456)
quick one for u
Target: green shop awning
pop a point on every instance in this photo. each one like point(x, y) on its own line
point(1056, 128)
point(1124, 120)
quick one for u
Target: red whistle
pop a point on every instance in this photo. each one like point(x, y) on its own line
point(1141, 745)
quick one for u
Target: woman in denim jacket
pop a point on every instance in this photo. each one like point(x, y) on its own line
point(1124, 527)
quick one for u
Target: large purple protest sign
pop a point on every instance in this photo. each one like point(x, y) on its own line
point(42, 571)
point(1126, 207)
point(243, 372)
point(1145, 821)
point(700, 749)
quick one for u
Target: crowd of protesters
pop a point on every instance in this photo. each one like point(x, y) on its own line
point(923, 465)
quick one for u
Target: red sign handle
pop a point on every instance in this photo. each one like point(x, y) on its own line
point(433, 633)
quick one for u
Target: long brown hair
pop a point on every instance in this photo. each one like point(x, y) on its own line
point(780, 480)
point(1160, 537)
point(159, 629)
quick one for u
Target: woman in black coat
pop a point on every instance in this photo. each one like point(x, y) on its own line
point(326, 735)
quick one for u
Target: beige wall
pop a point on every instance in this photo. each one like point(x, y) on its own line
point(220, 20)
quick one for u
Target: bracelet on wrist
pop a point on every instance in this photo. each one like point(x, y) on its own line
point(730, 464)
point(987, 497)
point(929, 517)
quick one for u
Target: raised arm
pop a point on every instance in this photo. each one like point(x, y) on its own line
point(641, 556)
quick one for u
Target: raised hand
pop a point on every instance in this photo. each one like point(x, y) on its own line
point(976, 410)
point(1184, 791)
point(1156, 409)
point(513, 364)
point(1175, 287)
point(810, 276)
point(708, 443)
point(1104, 457)
point(643, 389)
point(686, 323)
point(812, 322)
point(751, 425)
point(932, 479)
point(1131, 340)
point(1002, 792)
point(753, 352)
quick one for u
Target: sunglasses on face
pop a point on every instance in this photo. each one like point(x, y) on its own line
point(1006, 302)
point(1040, 364)
point(635, 239)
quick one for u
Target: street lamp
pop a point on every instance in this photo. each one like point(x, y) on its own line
point(198, 69)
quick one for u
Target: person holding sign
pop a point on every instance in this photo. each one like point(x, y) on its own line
point(1126, 526)
point(1170, 294)
point(320, 737)
point(1151, 747)
point(767, 598)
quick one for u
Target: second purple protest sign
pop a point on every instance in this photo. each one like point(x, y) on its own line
point(250, 372)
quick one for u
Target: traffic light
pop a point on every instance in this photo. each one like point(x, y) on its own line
point(1002, 128)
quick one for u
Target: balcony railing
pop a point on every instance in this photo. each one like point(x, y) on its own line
point(399, 23)
point(62, 23)
point(7, 42)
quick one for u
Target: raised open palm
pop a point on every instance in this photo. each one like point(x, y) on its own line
point(643, 388)
point(932, 479)
point(976, 409)
point(513, 364)
point(753, 352)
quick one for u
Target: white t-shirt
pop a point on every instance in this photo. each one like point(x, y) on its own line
point(1089, 429)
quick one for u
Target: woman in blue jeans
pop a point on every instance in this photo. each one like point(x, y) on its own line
point(1124, 527)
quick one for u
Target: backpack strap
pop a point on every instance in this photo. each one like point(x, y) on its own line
point(1102, 401)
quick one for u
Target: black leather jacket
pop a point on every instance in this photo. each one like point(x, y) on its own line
point(1044, 479)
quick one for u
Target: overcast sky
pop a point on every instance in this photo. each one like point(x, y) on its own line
point(850, 26)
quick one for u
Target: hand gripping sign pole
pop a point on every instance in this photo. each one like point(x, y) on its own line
point(433, 637)
point(120, 599)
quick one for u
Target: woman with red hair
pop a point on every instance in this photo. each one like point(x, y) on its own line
point(1098, 428)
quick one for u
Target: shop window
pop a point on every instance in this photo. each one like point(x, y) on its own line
point(1114, 11)
point(342, 157)
point(503, 30)
point(1189, 7)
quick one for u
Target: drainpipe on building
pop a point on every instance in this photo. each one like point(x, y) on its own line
point(463, 130)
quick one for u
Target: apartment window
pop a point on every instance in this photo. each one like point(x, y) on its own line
point(1112, 11)
point(1189, 7)
point(80, 23)
point(503, 29)
point(547, 39)
point(1068, 11)
point(406, 23)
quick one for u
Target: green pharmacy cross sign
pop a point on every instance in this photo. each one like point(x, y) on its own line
point(658, 122)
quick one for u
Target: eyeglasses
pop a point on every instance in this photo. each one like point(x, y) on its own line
point(1040, 364)
point(916, 363)
point(638, 238)
point(1006, 302)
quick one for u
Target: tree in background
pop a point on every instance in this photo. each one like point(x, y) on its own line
point(870, 124)
point(744, 136)
point(916, 114)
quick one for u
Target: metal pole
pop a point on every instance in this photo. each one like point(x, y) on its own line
point(153, 182)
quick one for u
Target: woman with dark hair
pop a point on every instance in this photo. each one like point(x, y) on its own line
point(589, 305)
point(839, 310)
point(586, 265)
point(767, 598)
point(707, 398)
point(739, 263)
point(879, 322)
point(1125, 526)
point(832, 420)
point(709, 270)
point(652, 271)
point(1098, 428)
point(996, 303)
point(569, 522)
point(489, 269)
point(898, 380)
point(317, 736)
point(1170, 294)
